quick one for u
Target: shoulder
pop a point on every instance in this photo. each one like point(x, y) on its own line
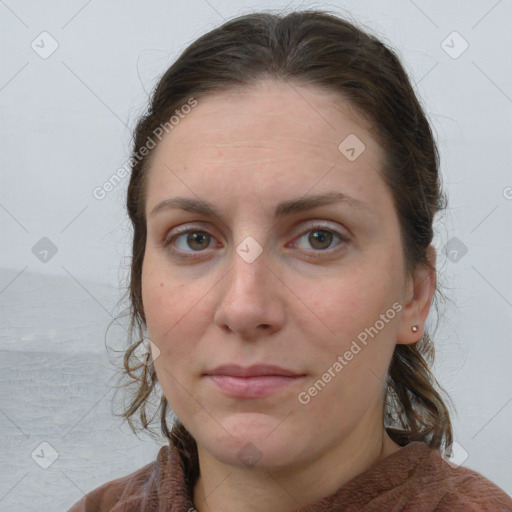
point(458, 488)
point(132, 488)
point(470, 491)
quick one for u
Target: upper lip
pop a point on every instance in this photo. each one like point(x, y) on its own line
point(251, 371)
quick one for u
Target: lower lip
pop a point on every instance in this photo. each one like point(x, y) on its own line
point(251, 387)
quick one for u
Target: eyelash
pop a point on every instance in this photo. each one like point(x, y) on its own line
point(198, 254)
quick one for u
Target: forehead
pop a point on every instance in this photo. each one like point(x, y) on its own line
point(267, 139)
point(270, 111)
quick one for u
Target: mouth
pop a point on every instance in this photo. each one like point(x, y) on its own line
point(258, 381)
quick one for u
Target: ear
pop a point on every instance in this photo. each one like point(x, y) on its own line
point(418, 296)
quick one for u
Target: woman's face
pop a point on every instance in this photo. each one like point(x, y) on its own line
point(317, 292)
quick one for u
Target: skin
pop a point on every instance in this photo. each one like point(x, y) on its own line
point(245, 151)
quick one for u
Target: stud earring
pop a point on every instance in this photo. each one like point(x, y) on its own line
point(414, 328)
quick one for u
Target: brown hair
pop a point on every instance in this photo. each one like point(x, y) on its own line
point(316, 48)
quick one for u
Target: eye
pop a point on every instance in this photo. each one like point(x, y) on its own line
point(194, 238)
point(320, 238)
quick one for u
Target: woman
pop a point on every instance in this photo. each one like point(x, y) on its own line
point(283, 191)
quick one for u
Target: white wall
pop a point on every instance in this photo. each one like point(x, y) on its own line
point(65, 129)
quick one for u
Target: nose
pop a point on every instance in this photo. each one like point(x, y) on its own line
point(251, 296)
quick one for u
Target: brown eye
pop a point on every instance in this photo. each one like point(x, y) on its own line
point(189, 242)
point(319, 238)
point(196, 240)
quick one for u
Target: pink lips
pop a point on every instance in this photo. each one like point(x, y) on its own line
point(257, 381)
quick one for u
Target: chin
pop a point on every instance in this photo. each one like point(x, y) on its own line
point(253, 441)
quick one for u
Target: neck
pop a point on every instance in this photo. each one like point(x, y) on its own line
point(226, 488)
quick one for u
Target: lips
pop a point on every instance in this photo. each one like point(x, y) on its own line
point(258, 381)
point(257, 370)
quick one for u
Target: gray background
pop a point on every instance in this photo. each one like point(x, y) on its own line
point(66, 125)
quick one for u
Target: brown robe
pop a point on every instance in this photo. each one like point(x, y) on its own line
point(415, 478)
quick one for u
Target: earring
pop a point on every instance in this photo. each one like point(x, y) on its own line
point(414, 328)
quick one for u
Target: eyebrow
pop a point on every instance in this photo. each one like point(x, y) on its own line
point(282, 209)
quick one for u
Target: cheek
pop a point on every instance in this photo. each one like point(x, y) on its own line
point(162, 295)
point(170, 312)
point(358, 315)
point(177, 315)
point(345, 307)
point(350, 362)
point(164, 305)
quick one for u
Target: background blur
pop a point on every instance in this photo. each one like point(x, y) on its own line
point(74, 77)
